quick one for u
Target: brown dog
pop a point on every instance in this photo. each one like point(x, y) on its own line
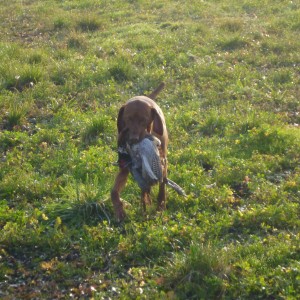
point(138, 117)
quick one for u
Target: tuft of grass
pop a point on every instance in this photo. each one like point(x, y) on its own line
point(199, 273)
point(96, 129)
point(15, 115)
point(80, 203)
point(122, 70)
point(232, 25)
point(282, 77)
point(22, 78)
point(61, 23)
point(93, 130)
point(35, 58)
point(89, 24)
point(77, 42)
point(233, 43)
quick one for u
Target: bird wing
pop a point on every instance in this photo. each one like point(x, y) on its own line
point(146, 168)
point(151, 164)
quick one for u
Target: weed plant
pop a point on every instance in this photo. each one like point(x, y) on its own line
point(232, 107)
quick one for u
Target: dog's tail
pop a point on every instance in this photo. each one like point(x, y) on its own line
point(154, 94)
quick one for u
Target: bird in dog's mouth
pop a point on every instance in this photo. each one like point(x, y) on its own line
point(145, 163)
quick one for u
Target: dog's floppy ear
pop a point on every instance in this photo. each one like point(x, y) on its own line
point(158, 126)
point(120, 120)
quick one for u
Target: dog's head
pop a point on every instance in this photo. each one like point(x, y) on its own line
point(138, 118)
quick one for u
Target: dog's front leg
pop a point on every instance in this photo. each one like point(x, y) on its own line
point(120, 183)
point(161, 198)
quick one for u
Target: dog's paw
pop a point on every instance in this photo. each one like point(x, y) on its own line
point(120, 214)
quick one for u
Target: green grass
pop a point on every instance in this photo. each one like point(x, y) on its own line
point(232, 107)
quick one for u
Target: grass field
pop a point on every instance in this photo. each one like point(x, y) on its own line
point(231, 101)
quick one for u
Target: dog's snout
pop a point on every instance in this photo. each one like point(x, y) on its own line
point(133, 140)
point(134, 136)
